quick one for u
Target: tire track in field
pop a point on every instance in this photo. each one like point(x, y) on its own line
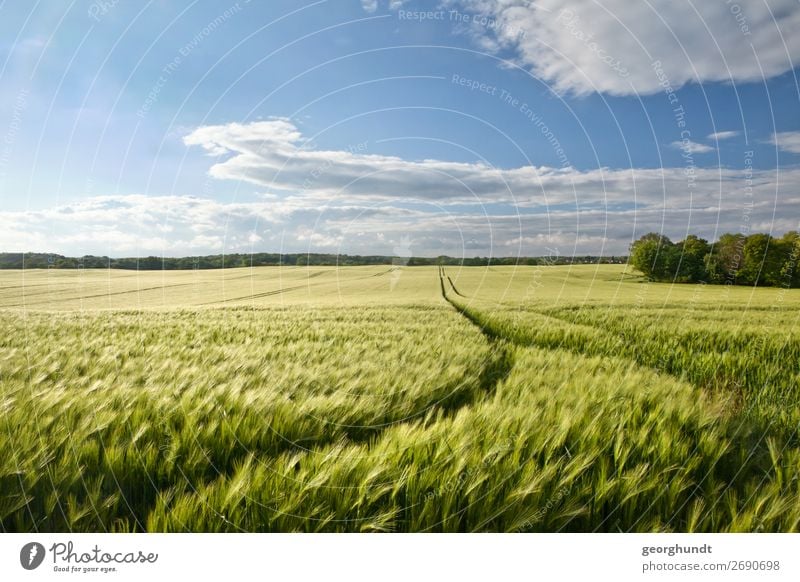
point(494, 369)
point(386, 272)
point(258, 295)
point(25, 286)
point(477, 383)
point(525, 341)
point(82, 297)
point(458, 395)
point(495, 334)
point(287, 289)
point(452, 285)
point(274, 291)
point(758, 457)
point(498, 367)
point(630, 351)
point(313, 275)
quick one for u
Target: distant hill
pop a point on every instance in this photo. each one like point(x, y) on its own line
point(55, 261)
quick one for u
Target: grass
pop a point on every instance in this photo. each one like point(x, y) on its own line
point(396, 399)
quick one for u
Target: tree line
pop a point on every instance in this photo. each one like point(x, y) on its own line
point(231, 261)
point(735, 259)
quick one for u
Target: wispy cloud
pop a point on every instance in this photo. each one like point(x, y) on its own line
point(275, 155)
point(788, 141)
point(720, 135)
point(691, 147)
point(369, 5)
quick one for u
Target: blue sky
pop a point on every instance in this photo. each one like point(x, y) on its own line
point(475, 127)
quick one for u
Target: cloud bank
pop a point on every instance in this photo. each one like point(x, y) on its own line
point(585, 46)
point(351, 201)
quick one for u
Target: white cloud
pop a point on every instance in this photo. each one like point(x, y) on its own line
point(139, 225)
point(371, 6)
point(691, 147)
point(349, 201)
point(584, 46)
point(365, 197)
point(722, 135)
point(134, 225)
point(788, 141)
point(271, 154)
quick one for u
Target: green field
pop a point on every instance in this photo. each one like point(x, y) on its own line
point(396, 399)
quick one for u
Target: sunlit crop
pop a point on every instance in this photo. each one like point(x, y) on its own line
point(396, 399)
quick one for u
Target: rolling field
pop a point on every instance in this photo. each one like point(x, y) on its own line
point(396, 399)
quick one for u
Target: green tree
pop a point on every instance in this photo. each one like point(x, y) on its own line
point(790, 264)
point(692, 252)
point(761, 261)
point(725, 259)
point(651, 255)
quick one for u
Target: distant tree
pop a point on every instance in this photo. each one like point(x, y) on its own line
point(761, 261)
point(692, 254)
point(649, 255)
point(725, 259)
point(790, 266)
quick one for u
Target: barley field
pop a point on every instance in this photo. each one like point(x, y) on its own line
point(396, 399)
